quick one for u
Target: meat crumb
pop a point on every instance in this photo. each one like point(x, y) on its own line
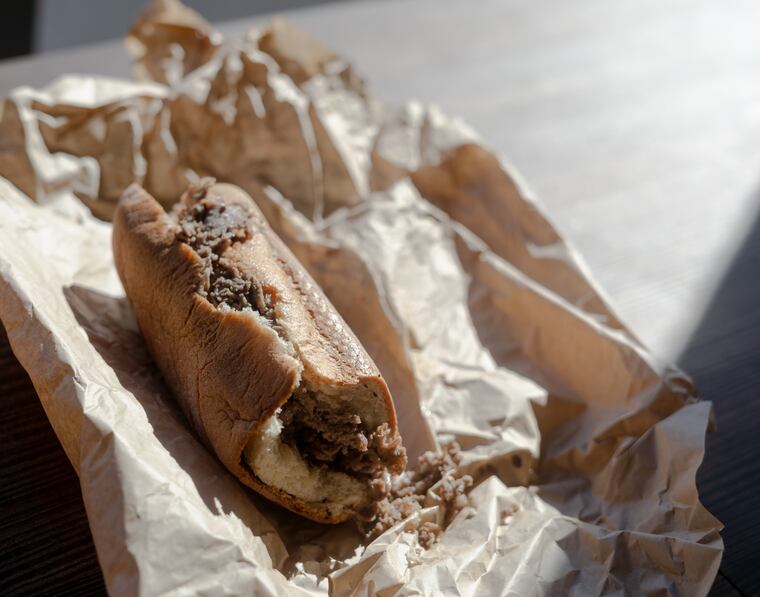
point(436, 472)
point(428, 534)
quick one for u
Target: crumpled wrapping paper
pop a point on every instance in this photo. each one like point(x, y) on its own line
point(487, 326)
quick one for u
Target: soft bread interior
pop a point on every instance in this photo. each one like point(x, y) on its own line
point(279, 463)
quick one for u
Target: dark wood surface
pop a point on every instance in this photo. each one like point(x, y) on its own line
point(636, 122)
point(723, 356)
point(45, 541)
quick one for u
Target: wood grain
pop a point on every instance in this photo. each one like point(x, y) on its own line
point(723, 355)
point(45, 541)
point(723, 587)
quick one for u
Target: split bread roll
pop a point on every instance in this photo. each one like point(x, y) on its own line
point(265, 369)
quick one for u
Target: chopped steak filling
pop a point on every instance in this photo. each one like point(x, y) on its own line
point(339, 439)
point(436, 473)
point(210, 227)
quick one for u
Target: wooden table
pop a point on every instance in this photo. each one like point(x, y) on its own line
point(637, 123)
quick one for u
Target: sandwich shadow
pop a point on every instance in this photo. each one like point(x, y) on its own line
point(112, 330)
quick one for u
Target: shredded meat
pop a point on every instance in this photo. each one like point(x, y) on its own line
point(435, 471)
point(210, 227)
point(339, 438)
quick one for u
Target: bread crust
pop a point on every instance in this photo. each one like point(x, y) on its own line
point(228, 370)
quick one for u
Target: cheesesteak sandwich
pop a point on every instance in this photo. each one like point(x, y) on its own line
point(268, 373)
